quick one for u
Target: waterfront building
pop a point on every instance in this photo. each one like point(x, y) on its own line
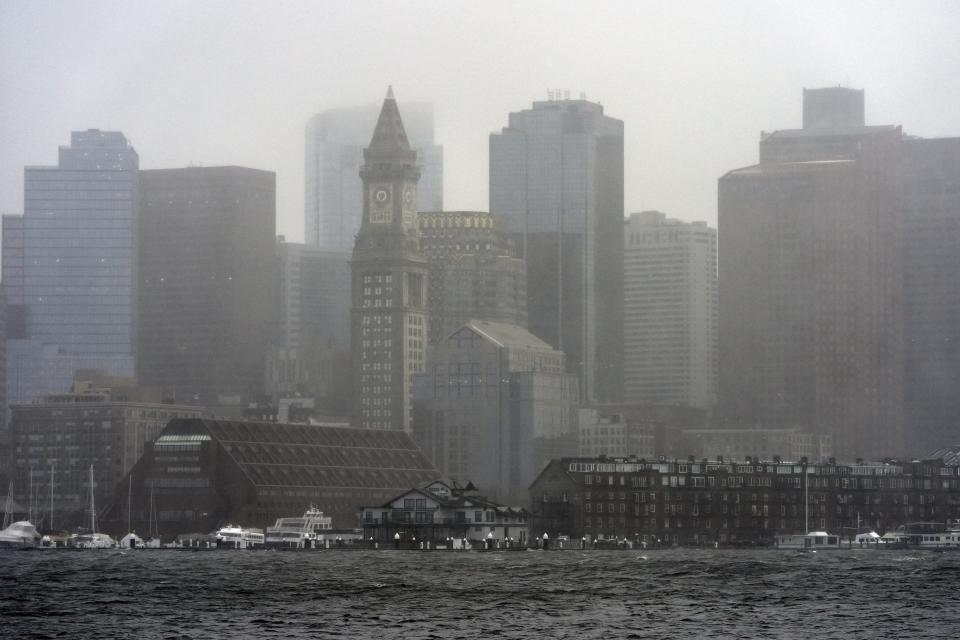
point(201, 473)
point(334, 155)
point(475, 273)
point(207, 272)
point(441, 512)
point(811, 318)
point(670, 311)
point(389, 314)
point(556, 178)
point(69, 267)
point(104, 422)
point(748, 502)
point(495, 404)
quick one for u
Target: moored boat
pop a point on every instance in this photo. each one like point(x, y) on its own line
point(20, 535)
point(301, 532)
point(234, 537)
point(813, 541)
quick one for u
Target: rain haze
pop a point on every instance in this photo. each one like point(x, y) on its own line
point(233, 83)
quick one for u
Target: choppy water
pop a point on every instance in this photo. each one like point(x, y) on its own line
point(408, 594)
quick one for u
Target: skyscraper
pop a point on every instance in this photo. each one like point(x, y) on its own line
point(207, 272)
point(811, 314)
point(556, 177)
point(70, 265)
point(388, 315)
point(670, 312)
point(475, 273)
point(334, 143)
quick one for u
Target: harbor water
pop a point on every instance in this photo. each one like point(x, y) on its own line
point(672, 593)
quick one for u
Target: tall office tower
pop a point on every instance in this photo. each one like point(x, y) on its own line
point(475, 273)
point(334, 155)
point(388, 315)
point(810, 281)
point(495, 405)
point(670, 312)
point(556, 177)
point(70, 265)
point(207, 274)
point(931, 293)
point(314, 342)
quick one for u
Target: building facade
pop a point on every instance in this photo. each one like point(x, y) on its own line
point(207, 273)
point(388, 316)
point(811, 319)
point(556, 178)
point(495, 404)
point(736, 503)
point(58, 438)
point(475, 273)
point(440, 513)
point(70, 267)
point(760, 444)
point(199, 475)
point(334, 156)
point(613, 435)
point(670, 316)
point(931, 293)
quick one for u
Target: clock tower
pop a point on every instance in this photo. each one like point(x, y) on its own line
point(388, 315)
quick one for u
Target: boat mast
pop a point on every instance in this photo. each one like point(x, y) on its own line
point(93, 509)
point(30, 498)
point(129, 491)
point(8, 507)
point(52, 470)
point(806, 503)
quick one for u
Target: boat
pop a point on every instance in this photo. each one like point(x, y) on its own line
point(811, 540)
point(234, 537)
point(20, 535)
point(91, 539)
point(932, 535)
point(301, 532)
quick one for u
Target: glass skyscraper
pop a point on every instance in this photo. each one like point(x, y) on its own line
point(556, 178)
point(69, 267)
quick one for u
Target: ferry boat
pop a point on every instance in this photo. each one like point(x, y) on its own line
point(301, 532)
point(932, 535)
point(234, 537)
point(813, 541)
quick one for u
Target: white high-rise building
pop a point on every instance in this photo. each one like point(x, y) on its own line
point(335, 139)
point(670, 311)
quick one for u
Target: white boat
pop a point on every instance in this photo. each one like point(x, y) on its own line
point(301, 532)
point(19, 535)
point(93, 539)
point(946, 538)
point(867, 539)
point(234, 537)
point(814, 541)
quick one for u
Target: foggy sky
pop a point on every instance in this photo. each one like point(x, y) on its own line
point(228, 82)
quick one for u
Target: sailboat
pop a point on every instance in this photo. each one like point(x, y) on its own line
point(92, 540)
point(16, 535)
point(810, 540)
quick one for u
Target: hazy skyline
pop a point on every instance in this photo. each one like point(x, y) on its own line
point(218, 83)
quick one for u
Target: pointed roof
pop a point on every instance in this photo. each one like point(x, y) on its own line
point(389, 136)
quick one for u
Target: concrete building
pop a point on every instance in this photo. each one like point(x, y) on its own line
point(556, 178)
point(443, 513)
point(613, 435)
point(696, 502)
point(758, 444)
point(811, 318)
point(670, 312)
point(104, 422)
point(931, 293)
point(202, 474)
point(312, 351)
point(207, 274)
point(388, 315)
point(334, 155)
point(495, 404)
point(70, 265)
point(475, 273)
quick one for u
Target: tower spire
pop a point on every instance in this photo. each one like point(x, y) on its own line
point(389, 136)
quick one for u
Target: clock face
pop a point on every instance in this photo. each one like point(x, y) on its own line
point(408, 196)
point(380, 208)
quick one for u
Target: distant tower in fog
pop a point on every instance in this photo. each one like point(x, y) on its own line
point(556, 179)
point(388, 316)
point(334, 154)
